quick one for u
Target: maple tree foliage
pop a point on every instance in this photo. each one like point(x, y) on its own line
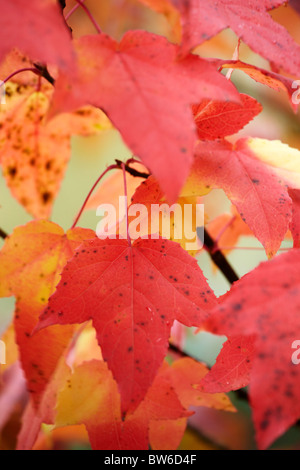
point(22, 25)
point(136, 313)
point(250, 21)
point(158, 120)
point(273, 373)
point(98, 340)
point(215, 119)
point(31, 171)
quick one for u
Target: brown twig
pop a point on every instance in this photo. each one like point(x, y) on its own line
point(3, 234)
point(132, 171)
point(43, 71)
point(62, 4)
point(218, 257)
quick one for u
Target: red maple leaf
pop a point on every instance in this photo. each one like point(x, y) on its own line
point(249, 19)
point(273, 80)
point(147, 92)
point(217, 119)
point(265, 304)
point(107, 428)
point(37, 29)
point(133, 295)
point(258, 194)
point(233, 366)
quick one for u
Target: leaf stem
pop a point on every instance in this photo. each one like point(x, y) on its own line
point(26, 69)
point(38, 69)
point(70, 13)
point(89, 14)
point(223, 230)
point(117, 166)
point(108, 169)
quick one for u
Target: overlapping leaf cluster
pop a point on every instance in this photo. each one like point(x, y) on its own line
point(179, 115)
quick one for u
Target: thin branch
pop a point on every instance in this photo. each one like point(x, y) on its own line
point(132, 171)
point(43, 72)
point(3, 234)
point(176, 350)
point(218, 257)
point(62, 4)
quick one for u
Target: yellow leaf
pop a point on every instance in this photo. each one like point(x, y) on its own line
point(282, 159)
point(34, 151)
